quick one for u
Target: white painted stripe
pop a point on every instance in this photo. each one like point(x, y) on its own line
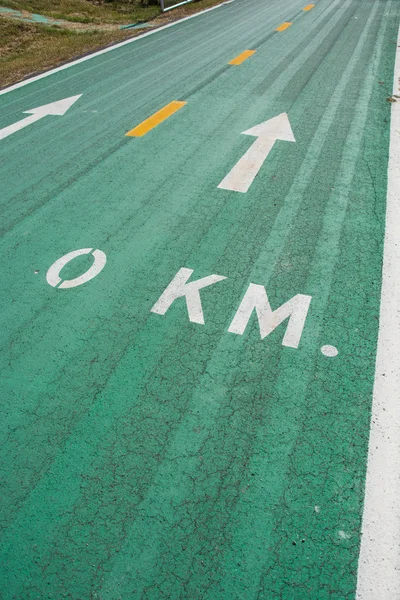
point(379, 562)
point(176, 5)
point(20, 84)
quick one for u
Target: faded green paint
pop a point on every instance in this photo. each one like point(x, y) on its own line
point(148, 457)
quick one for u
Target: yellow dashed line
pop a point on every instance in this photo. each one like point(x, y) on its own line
point(309, 7)
point(283, 26)
point(242, 57)
point(156, 119)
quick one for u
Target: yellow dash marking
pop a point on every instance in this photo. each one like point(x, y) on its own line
point(309, 7)
point(242, 57)
point(155, 119)
point(283, 26)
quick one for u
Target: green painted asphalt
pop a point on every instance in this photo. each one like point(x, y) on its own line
point(145, 456)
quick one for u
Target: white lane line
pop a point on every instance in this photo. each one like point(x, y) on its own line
point(379, 562)
point(20, 84)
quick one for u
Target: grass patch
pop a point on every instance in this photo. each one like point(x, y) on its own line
point(85, 11)
point(28, 47)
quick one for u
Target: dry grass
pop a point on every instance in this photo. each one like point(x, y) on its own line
point(86, 11)
point(27, 48)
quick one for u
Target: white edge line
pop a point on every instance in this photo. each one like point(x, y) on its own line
point(20, 84)
point(379, 561)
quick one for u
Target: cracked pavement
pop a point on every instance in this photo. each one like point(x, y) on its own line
point(145, 456)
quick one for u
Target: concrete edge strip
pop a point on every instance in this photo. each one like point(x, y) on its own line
point(379, 563)
point(20, 84)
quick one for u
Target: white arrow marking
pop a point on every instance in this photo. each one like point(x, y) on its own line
point(240, 178)
point(58, 108)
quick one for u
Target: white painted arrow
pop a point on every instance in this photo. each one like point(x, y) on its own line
point(54, 108)
point(240, 178)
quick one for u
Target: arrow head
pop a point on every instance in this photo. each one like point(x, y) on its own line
point(54, 108)
point(277, 128)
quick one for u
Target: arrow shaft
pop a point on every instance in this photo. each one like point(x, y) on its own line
point(19, 125)
point(240, 178)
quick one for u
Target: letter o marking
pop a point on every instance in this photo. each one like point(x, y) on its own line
point(53, 274)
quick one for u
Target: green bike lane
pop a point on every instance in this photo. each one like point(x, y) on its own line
point(147, 456)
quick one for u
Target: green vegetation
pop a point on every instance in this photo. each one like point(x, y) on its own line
point(29, 47)
point(85, 11)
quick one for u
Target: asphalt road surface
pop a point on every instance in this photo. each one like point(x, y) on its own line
point(200, 300)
